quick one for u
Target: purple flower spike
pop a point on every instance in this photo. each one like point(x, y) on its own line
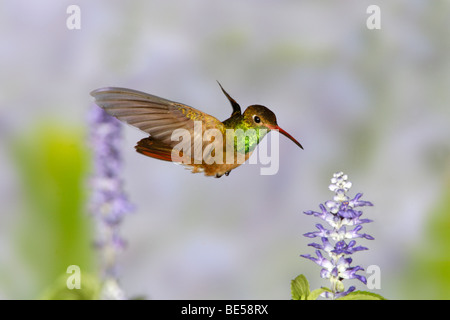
point(339, 213)
point(108, 202)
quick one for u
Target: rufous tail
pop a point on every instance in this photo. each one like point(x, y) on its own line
point(154, 148)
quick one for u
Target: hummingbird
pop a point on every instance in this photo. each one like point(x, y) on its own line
point(161, 118)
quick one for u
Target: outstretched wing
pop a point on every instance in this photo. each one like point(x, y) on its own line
point(157, 116)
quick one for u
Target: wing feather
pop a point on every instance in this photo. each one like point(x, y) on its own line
point(156, 116)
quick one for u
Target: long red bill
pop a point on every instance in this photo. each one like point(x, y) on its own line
point(287, 135)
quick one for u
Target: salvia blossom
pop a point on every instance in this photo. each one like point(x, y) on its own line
point(338, 242)
point(108, 202)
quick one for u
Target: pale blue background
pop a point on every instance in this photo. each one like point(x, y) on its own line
point(374, 104)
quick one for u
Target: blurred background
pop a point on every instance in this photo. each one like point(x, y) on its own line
point(372, 103)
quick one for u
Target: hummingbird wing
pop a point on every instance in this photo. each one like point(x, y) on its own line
point(160, 117)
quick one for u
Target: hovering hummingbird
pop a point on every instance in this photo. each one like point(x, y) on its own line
point(161, 118)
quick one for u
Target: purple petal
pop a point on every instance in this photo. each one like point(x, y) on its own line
point(357, 203)
point(321, 233)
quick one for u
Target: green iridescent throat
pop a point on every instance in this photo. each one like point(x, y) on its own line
point(247, 138)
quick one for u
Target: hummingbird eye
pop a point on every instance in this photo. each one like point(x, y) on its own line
point(256, 119)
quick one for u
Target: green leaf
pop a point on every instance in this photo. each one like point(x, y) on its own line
point(362, 295)
point(300, 288)
point(316, 293)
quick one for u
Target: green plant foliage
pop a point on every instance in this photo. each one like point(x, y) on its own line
point(300, 289)
point(52, 163)
point(362, 295)
point(59, 290)
point(428, 268)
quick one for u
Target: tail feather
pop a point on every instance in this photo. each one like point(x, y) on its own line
point(155, 149)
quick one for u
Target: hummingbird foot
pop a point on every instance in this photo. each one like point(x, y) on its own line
point(220, 175)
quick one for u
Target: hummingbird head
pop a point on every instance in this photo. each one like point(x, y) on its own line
point(258, 116)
